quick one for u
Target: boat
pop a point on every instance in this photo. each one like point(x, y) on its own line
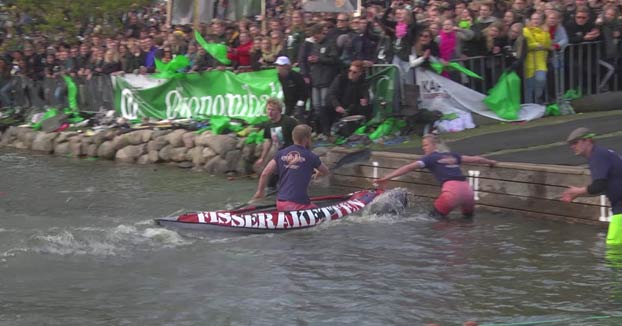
point(266, 219)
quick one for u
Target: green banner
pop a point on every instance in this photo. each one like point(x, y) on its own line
point(199, 95)
point(223, 93)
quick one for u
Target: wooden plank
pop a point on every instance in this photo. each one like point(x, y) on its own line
point(543, 206)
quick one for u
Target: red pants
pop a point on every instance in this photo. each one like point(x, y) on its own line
point(282, 205)
point(454, 194)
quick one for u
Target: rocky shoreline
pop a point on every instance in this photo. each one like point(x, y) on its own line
point(215, 154)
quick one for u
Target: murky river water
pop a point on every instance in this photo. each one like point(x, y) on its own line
point(78, 247)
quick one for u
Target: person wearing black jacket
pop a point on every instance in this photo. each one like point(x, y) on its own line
point(349, 94)
point(319, 64)
point(294, 88)
point(403, 32)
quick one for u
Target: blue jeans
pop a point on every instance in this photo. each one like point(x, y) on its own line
point(534, 87)
point(5, 94)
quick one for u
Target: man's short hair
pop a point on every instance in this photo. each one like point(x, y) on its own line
point(316, 29)
point(273, 101)
point(301, 132)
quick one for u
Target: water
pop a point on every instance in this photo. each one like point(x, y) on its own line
point(77, 247)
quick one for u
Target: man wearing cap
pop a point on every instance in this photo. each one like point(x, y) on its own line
point(606, 169)
point(294, 88)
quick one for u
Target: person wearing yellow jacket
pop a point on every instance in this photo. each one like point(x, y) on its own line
point(538, 42)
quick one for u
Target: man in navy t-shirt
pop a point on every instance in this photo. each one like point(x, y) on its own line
point(296, 165)
point(606, 169)
point(445, 166)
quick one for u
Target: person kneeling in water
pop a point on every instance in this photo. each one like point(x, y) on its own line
point(296, 165)
point(445, 166)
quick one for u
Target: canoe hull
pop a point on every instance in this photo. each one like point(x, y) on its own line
point(262, 221)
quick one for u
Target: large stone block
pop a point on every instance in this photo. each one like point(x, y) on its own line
point(165, 153)
point(232, 158)
point(223, 144)
point(75, 149)
point(8, 136)
point(139, 137)
point(248, 152)
point(216, 165)
point(62, 149)
point(64, 136)
point(120, 141)
point(160, 133)
point(153, 156)
point(44, 142)
point(106, 150)
point(27, 136)
point(179, 154)
point(196, 155)
point(208, 153)
point(131, 153)
point(143, 159)
point(156, 144)
point(91, 150)
point(188, 139)
point(204, 139)
point(175, 138)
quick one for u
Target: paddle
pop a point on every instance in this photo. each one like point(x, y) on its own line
point(350, 158)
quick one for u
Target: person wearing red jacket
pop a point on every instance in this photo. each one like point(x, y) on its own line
point(241, 54)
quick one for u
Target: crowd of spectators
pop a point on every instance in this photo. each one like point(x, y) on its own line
point(323, 45)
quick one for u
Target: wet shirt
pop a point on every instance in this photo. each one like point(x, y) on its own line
point(444, 166)
point(295, 165)
point(607, 164)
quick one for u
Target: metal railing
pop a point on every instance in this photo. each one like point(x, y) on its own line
point(580, 67)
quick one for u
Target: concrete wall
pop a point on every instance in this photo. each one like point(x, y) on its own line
point(529, 189)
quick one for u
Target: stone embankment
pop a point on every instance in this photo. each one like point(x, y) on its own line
point(215, 154)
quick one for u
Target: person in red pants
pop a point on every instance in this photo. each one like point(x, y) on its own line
point(445, 166)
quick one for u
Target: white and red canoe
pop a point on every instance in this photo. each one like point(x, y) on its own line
point(259, 219)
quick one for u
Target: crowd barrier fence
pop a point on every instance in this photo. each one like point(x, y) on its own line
point(582, 67)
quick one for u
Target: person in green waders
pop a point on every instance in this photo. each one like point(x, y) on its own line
point(606, 169)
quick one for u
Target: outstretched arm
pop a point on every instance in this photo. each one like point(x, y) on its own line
point(400, 171)
point(263, 179)
point(478, 160)
point(598, 186)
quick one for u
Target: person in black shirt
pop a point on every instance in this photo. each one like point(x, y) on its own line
point(278, 131)
point(294, 88)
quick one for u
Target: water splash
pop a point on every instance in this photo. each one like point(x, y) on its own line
point(120, 240)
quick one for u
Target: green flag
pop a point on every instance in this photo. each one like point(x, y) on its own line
point(504, 98)
point(439, 67)
point(72, 92)
point(218, 51)
point(171, 69)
